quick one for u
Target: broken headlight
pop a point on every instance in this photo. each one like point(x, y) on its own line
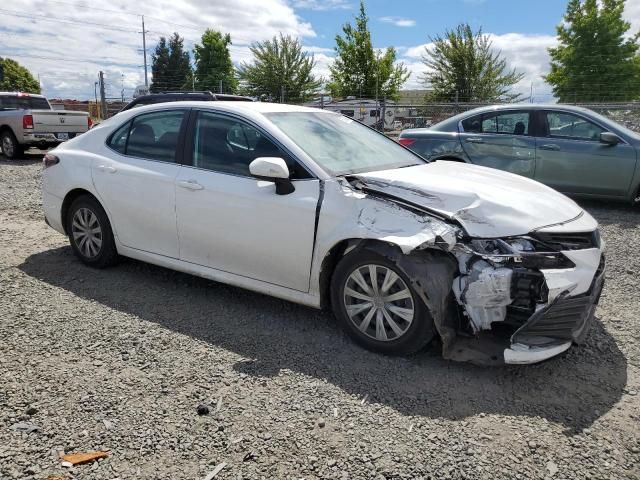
point(523, 251)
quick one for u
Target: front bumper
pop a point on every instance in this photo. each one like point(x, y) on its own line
point(553, 328)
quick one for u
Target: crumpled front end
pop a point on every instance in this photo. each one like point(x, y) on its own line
point(537, 292)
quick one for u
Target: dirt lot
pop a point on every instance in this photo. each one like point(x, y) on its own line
point(120, 359)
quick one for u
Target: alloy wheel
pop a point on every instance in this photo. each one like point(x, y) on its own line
point(7, 146)
point(378, 302)
point(87, 232)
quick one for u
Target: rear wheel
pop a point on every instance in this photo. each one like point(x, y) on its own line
point(90, 233)
point(10, 146)
point(376, 305)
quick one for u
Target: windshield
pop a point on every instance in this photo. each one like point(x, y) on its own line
point(341, 145)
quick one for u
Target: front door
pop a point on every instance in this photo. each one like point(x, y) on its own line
point(136, 181)
point(232, 222)
point(571, 158)
point(500, 140)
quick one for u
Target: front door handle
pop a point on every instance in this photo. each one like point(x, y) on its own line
point(549, 146)
point(475, 140)
point(107, 168)
point(190, 185)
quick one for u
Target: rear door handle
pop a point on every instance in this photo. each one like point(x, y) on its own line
point(549, 146)
point(475, 140)
point(107, 168)
point(190, 185)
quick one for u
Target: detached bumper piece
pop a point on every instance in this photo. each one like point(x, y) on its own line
point(552, 329)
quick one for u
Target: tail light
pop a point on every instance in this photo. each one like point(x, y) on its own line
point(89, 123)
point(406, 141)
point(27, 122)
point(50, 160)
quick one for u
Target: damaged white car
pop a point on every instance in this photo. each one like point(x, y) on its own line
point(315, 208)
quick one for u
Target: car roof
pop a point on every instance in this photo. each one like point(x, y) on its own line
point(22, 94)
point(240, 107)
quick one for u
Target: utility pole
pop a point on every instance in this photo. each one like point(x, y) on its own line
point(144, 52)
point(103, 99)
point(95, 93)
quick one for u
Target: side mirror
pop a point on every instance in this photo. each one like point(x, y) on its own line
point(273, 169)
point(609, 138)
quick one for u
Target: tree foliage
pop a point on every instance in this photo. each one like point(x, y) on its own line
point(358, 70)
point(17, 78)
point(280, 69)
point(170, 67)
point(595, 60)
point(462, 65)
point(213, 63)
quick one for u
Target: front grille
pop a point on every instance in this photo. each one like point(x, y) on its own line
point(569, 241)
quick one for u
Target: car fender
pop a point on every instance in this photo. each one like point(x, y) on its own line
point(347, 214)
point(433, 145)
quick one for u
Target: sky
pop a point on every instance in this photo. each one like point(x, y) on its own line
point(67, 42)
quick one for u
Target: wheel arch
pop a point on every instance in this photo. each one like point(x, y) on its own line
point(69, 198)
point(332, 258)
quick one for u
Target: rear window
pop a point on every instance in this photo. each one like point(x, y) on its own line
point(13, 102)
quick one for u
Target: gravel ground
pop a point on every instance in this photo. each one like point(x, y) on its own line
point(120, 360)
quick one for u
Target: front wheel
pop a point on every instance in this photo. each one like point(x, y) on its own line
point(90, 233)
point(376, 305)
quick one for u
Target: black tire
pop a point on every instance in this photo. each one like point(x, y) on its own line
point(107, 254)
point(416, 336)
point(7, 138)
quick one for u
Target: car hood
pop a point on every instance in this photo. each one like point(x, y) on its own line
point(488, 203)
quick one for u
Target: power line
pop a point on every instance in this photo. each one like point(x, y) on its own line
point(60, 20)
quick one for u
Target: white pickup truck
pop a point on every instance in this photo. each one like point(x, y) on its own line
point(27, 120)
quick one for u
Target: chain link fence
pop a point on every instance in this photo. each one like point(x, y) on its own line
point(392, 117)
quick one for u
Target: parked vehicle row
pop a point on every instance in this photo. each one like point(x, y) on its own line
point(27, 120)
point(316, 208)
point(572, 149)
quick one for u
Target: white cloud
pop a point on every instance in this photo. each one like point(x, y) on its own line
point(66, 45)
point(632, 15)
point(525, 52)
point(399, 21)
point(322, 4)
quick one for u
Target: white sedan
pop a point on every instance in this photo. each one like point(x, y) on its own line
point(313, 207)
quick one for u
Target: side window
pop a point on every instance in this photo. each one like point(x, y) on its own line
point(567, 125)
point(508, 123)
point(155, 135)
point(118, 140)
point(472, 124)
point(226, 145)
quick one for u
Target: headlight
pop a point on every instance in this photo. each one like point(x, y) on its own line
point(523, 251)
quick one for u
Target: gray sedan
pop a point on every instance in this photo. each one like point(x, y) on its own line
point(571, 149)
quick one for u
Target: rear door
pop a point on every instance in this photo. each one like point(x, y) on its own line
point(501, 139)
point(136, 181)
point(571, 158)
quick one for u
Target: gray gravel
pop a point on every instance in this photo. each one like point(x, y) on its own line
point(182, 378)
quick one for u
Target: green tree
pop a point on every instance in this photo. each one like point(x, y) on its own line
point(213, 63)
point(462, 65)
point(16, 77)
point(280, 69)
point(358, 70)
point(596, 59)
point(170, 67)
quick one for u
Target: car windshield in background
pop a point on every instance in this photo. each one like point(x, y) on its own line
point(341, 145)
point(12, 102)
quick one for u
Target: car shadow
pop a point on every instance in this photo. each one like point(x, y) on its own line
point(28, 158)
point(574, 389)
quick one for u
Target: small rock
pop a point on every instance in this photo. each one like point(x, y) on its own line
point(321, 423)
point(25, 427)
point(331, 462)
point(31, 410)
point(552, 468)
point(203, 409)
